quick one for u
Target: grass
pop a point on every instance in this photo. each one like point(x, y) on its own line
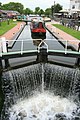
point(70, 31)
point(5, 26)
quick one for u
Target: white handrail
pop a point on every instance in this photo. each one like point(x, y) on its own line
point(3, 47)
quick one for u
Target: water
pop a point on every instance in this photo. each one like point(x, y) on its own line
point(41, 92)
point(42, 78)
point(42, 107)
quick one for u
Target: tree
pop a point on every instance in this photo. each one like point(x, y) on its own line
point(0, 5)
point(52, 10)
point(28, 11)
point(48, 11)
point(37, 9)
point(41, 11)
point(56, 8)
point(13, 6)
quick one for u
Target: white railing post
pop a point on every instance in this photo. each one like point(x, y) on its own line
point(66, 47)
point(4, 46)
point(1, 47)
point(22, 47)
point(5, 50)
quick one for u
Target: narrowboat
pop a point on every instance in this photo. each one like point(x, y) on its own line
point(38, 29)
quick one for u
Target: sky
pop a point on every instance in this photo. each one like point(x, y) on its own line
point(43, 4)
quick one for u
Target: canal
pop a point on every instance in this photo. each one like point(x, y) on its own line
point(32, 44)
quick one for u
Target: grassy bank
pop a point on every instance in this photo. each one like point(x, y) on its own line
point(5, 26)
point(70, 31)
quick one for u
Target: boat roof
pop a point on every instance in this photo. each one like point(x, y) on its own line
point(36, 20)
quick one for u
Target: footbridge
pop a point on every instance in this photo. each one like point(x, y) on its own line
point(41, 52)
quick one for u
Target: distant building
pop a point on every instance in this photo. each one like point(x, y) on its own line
point(75, 4)
point(73, 11)
point(8, 13)
point(75, 8)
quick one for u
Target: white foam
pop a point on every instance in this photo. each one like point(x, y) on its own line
point(42, 107)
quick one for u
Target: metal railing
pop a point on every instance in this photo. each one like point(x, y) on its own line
point(35, 43)
point(39, 48)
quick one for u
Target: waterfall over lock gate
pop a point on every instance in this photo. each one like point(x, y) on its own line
point(48, 85)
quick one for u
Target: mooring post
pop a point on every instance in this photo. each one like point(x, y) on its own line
point(78, 59)
point(7, 63)
point(5, 50)
point(42, 52)
point(26, 22)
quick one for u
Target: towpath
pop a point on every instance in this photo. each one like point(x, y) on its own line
point(61, 35)
point(12, 32)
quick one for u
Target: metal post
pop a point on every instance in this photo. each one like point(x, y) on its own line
point(79, 47)
point(1, 64)
point(42, 52)
point(78, 59)
point(53, 10)
point(5, 50)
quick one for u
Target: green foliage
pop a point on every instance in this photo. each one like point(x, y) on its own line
point(37, 9)
point(28, 11)
point(55, 8)
point(70, 31)
point(5, 27)
point(41, 12)
point(48, 11)
point(0, 5)
point(13, 6)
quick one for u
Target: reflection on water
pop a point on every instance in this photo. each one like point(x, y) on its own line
point(38, 36)
point(36, 42)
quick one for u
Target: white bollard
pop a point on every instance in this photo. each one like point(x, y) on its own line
point(4, 47)
point(21, 26)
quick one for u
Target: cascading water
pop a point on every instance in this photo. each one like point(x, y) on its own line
point(42, 78)
point(41, 92)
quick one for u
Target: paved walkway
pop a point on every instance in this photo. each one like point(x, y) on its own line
point(61, 34)
point(11, 33)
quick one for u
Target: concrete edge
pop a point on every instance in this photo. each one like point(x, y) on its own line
point(15, 37)
point(70, 46)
